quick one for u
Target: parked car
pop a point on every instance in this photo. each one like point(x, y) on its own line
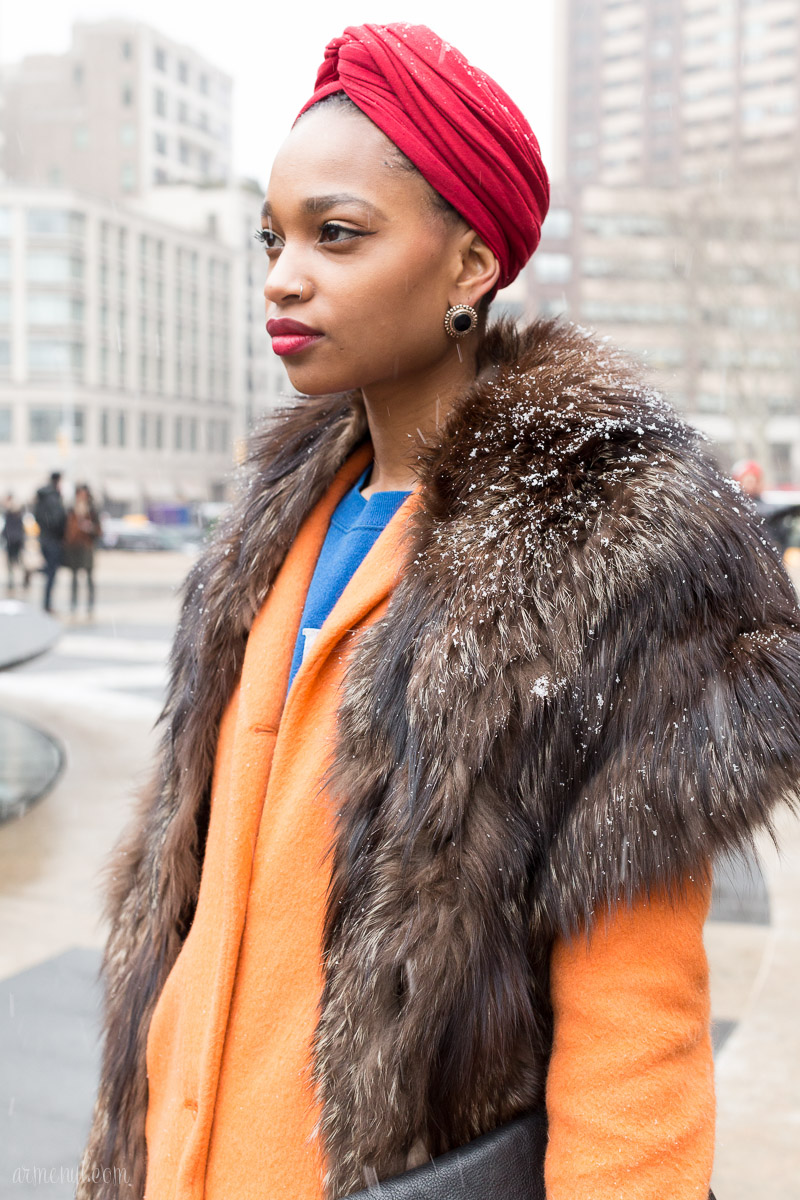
point(137, 533)
point(121, 534)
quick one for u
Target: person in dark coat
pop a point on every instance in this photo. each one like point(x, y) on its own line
point(51, 517)
point(14, 539)
point(82, 531)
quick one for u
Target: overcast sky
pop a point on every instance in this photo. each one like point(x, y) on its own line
point(273, 50)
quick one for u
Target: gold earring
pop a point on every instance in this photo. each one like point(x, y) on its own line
point(459, 320)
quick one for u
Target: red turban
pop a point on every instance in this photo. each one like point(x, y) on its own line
point(458, 127)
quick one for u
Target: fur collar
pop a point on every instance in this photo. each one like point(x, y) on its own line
point(586, 684)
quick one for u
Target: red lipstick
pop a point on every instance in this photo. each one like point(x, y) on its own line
point(291, 337)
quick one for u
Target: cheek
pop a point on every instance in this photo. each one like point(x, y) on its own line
point(401, 304)
point(384, 319)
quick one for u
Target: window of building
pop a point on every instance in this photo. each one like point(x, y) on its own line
point(46, 356)
point(126, 95)
point(5, 353)
point(178, 436)
point(183, 71)
point(143, 372)
point(183, 112)
point(54, 222)
point(127, 49)
point(193, 433)
point(558, 223)
point(160, 59)
point(624, 312)
point(122, 429)
point(202, 83)
point(5, 308)
point(127, 134)
point(5, 424)
point(781, 458)
point(710, 402)
point(158, 438)
point(184, 151)
point(781, 405)
point(81, 137)
point(143, 431)
point(552, 268)
point(127, 177)
point(160, 102)
point(44, 424)
point(52, 266)
point(5, 265)
point(53, 308)
point(77, 74)
point(160, 176)
point(52, 424)
point(105, 425)
point(204, 162)
point(161, 143)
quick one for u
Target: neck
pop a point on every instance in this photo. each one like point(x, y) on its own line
point(404, 416)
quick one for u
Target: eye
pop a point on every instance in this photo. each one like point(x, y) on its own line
point(332, 231)
point(269, 239)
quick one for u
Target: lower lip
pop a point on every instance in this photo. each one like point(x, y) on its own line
point(293, 343)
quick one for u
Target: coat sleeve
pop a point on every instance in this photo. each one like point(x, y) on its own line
point(630, 1089)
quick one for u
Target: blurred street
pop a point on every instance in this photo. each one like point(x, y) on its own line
point(99, 692)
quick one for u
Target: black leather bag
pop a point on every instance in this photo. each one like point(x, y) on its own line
point(506, 1164)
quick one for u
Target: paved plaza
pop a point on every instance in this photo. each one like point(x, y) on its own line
point(98, 693)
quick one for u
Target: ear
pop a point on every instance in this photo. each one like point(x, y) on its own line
point(479, 272)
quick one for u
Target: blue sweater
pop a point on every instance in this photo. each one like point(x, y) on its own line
point(354, 527)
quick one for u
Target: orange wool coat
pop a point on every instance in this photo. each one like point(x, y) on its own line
point(231, 1110)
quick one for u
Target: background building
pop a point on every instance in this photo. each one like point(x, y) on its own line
point(133, 352)
point(680, 91)
point(675, 228)
point(125, 109)
point(115, 351)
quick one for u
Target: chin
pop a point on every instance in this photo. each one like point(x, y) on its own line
point(318, 383)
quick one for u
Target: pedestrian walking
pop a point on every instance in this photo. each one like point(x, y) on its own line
point(51, 517)
point(485, 667)
point(14, 541)
point(82, 531)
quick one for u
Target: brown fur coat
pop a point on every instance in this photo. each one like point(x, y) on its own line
point(586, 684)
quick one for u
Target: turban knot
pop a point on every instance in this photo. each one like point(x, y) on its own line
point(458, 127)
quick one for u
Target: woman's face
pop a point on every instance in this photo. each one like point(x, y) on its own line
point(358, 255)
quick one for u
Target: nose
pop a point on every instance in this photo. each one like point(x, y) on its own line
point(285, 281)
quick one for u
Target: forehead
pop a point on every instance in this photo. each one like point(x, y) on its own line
point(335, 151)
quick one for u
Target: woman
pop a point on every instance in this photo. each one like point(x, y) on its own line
point(560, 679)
point(14, 538)
point(82, 531)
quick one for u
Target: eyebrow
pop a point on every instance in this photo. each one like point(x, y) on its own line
point(320, 204)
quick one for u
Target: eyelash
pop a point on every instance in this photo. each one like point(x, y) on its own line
point(261, 235)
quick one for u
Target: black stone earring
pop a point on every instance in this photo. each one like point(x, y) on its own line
point(460, 320)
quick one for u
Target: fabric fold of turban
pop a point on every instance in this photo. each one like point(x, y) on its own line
point(458, 127)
